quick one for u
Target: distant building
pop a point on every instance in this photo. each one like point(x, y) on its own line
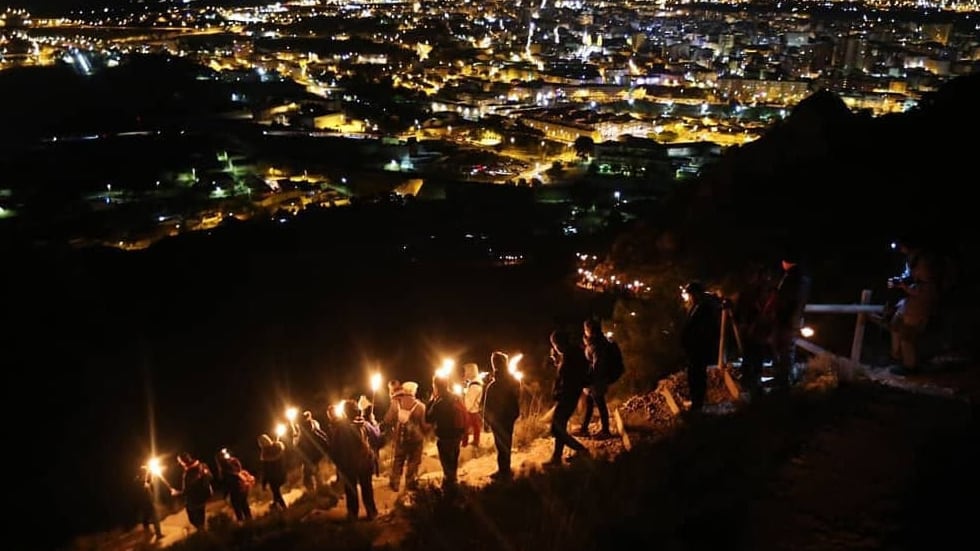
point(647, 159)
point(764, 91)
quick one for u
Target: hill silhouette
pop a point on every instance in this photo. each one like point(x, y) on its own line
point(825, 174)
point(838, 187)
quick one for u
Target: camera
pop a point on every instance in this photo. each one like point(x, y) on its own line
point(898, 281)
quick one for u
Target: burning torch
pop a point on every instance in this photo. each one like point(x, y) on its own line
point(156, 469)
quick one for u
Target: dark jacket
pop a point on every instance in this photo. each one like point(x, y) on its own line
point(230, 471)
point(350, 450)
point(573, 374)
point(702, 329)
point(599, 354)
point(273, 456)
point(501, 399)
point(196, 484)
point(791, 298)
point(441, 413)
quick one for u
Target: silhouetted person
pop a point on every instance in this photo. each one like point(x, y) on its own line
point(699, 339)
point(354, 458)
point(311, 443)
point(787, 309)
point(149, 516)
point(598, 352)
point(195, 488)
point(920, 283)
point(754, 327)
point(272, 456)
point(502, 407)
point(441, 413)
point(572, 371)
point(234, 483)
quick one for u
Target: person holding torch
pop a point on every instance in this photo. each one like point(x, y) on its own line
point(272, 454)
point(149, 515)
point(502, 408)
point(195, 488)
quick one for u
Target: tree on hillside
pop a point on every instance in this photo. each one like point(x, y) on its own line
point(584, 146)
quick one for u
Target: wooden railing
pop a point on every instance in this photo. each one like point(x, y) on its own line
point(861, 310)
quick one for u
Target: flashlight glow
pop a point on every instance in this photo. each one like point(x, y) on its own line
point(291, 414)
point(807, 332)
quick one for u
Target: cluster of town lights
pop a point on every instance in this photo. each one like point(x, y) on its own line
point(590, 280)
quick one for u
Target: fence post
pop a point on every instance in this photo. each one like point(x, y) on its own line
point(858, 342)
point(721, 339)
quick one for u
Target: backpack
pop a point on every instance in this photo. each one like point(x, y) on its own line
point(614, 362)
point(248, 479)
point(405, 415)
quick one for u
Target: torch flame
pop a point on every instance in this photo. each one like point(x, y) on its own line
point(291, 413)
point(280, 429)
point(338, 409)
point(154, 466)
point(375, 382)
point(512, 366)
point(446, 370)
point(458, 389)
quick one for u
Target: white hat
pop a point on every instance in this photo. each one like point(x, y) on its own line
point(471, 371)
point(410, 387)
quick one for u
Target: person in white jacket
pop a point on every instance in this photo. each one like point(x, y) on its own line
point(473, 400)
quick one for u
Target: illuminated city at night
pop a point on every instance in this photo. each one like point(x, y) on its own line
point(660, 273)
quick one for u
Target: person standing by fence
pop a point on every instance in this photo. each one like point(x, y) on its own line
point(786, 311)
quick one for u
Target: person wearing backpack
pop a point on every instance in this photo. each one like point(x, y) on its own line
point(405, 422)
point(447, 413)
point(605, 368)
point(236, 482)
point(473, 400)
point(195, 488)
